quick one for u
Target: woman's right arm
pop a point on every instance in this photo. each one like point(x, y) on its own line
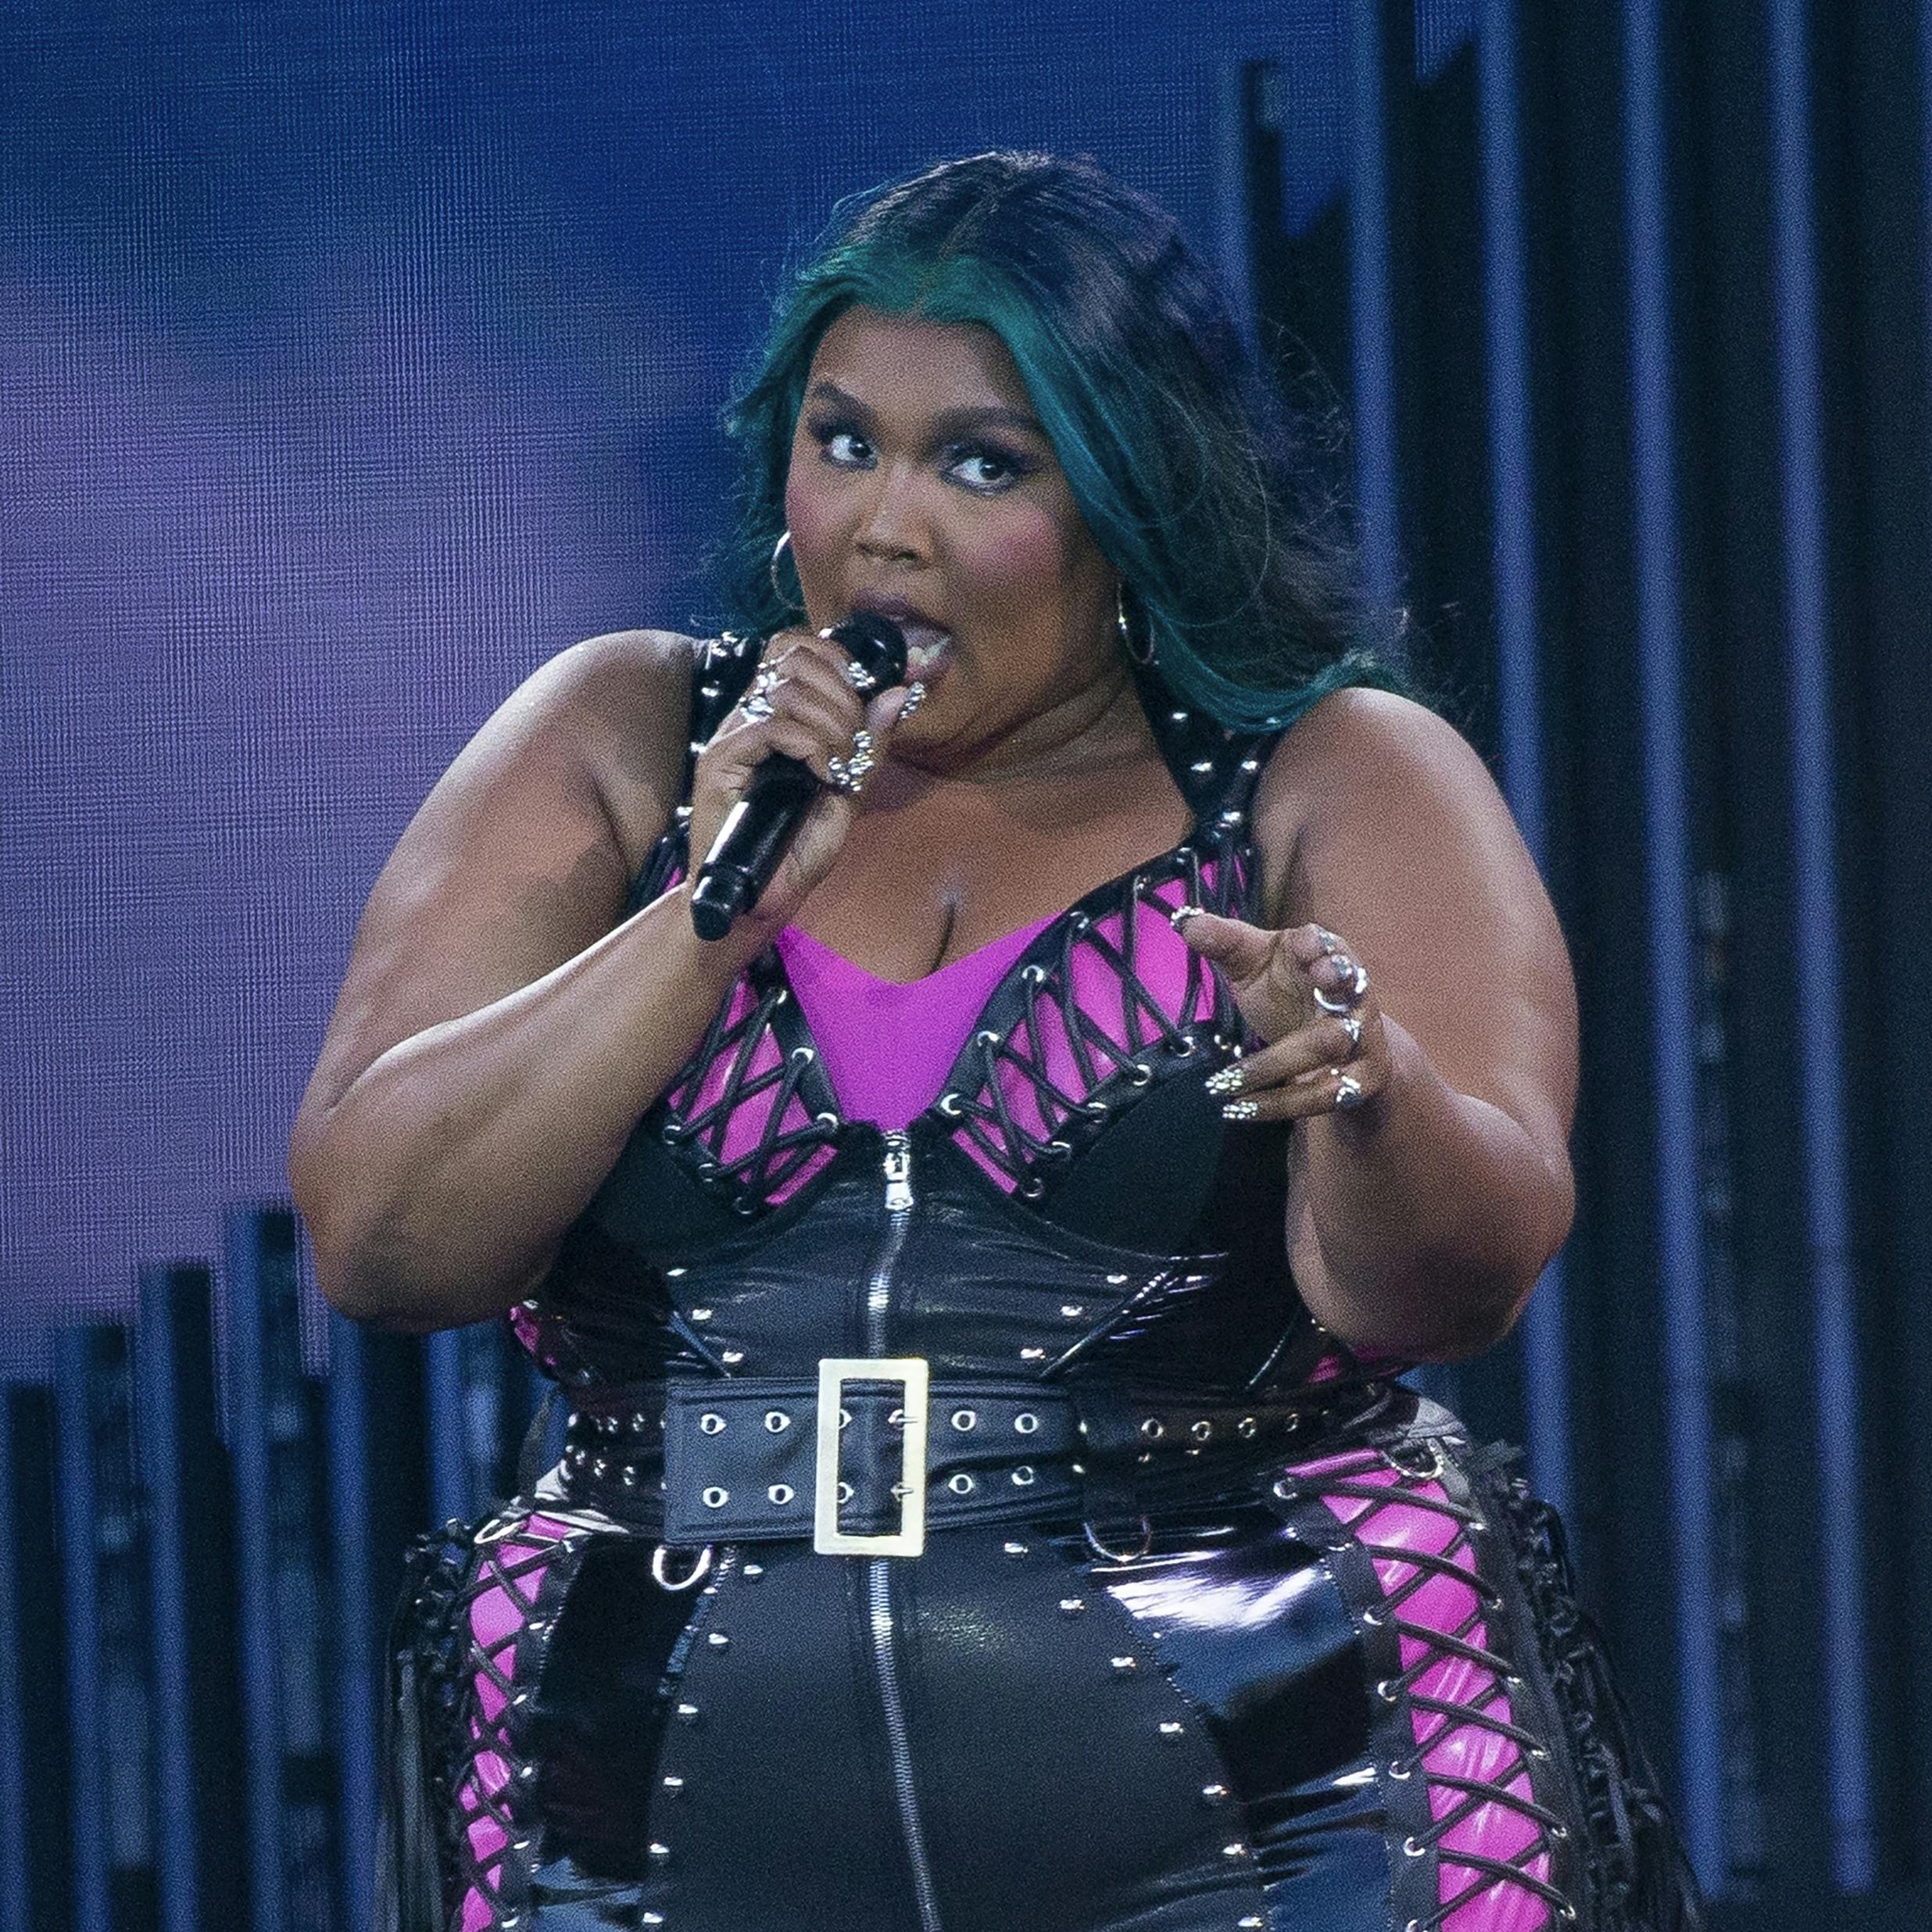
point(499, 1032)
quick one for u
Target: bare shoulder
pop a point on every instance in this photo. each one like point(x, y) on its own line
point(1378, 818)
point(523, 852)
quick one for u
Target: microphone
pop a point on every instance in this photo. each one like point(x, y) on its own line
point(762, 823)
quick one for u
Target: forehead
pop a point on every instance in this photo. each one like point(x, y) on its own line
point(897, 359)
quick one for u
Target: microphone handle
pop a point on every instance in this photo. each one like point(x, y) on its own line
point(750, 843)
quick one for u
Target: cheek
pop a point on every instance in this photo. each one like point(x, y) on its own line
point(1028, 551)
point(808, 515)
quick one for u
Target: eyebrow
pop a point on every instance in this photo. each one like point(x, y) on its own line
point(948, 422)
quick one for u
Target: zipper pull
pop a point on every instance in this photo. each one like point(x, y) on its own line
point(898, 1172)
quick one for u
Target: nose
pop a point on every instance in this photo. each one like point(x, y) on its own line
point(893, 526)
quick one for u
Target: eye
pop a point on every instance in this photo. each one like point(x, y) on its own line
point(986, 468)
point(840, 444)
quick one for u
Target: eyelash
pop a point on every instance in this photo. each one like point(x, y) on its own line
point(1018, 467)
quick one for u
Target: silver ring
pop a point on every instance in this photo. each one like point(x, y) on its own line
point(1351, 1026)
point(1353, 988)
point(844, 778)
point(758, 707)
point(858, 677)
point(1349, 1093)
point(1328, 941)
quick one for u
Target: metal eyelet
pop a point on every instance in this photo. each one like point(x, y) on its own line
point(780, 1494)
point(1140, 1073)
point(803, 1056)
point(1023, 1476)
point(986, 1037)
point(961, 1484)
point(1033, 1188)
point(717, 1498)
point(1154, 1429)
point(711, 1422)
point(950, 1105)
point(1025, 1422)
point(845, 1492)
point(1412, 1850)
point(1034, 975)
point(964, 1419)
point(777, 1421)
point(1401, 1772)
point(1245, 1428)
point(1202, 1431)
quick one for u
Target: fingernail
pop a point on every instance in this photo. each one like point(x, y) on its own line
point(915, 696)
point(1226, 1080)
point(1180, 914)
point(1349, 1093)
point(1240, 1110)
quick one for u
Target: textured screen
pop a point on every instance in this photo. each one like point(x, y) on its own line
point(354, 359)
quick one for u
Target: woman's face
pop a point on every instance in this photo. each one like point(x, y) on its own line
point(922, 486)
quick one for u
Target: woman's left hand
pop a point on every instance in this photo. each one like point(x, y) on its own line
point(1311, 1000)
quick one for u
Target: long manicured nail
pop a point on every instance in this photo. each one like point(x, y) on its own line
point(1349, 1093)
point(1224, 1080)
point(1241, 1110)
point(915, 696)
point(1179, 918)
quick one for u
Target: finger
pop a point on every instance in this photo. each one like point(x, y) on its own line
point(817, 711)
point(745, 744)
point(1323, 1042)
point(1327, 1090)
point(820, 666)
point(1242, 951)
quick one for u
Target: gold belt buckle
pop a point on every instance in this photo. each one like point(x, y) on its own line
point(914, 1373)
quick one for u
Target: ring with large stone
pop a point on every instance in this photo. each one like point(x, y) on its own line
point(861, 680)
point(756, 705)
point(1349, 995)
point(848, 776)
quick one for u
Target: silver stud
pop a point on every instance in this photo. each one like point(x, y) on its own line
point(1032, 1354)
point(711, 1422)
point(1124, 1666)
point(660, 1853)
point(687, 1713)
point(1117, 1281)
point(780, 1494)
point(754, 1571)
point(1255, 1923)
point(1023, 1476)
point(961, 1484)
point(1016, 1549)
point(657, 1918)
point(1025, 1422)
point(1173, 1729)
point(1179, 718)
point(640, 1422)
point(672, 1783)
point(717, 1498)
point(731, 1357)
point(600, 1467)
point(777, 1421)
point(964, 1419)
point(1236, 1851)
point(1071, 1606)
point(1213, 1794)
point(1073, 1309)
point(1201, 766)
point(700, 1315)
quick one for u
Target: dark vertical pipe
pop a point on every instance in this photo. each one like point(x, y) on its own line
point(81, 1597)
point(1673, 985)
point(1371, 300)
point(1821, 1069)
point(355, 1674)
point(244, 1292)
point(1506, 315)
point(448, 1447)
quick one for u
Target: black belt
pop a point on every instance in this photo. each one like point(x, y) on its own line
point(866, 1455)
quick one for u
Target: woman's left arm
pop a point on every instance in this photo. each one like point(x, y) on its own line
point(1429, 1177)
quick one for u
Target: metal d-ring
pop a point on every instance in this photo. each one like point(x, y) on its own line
point(699, 1571)
point(1100, 1550)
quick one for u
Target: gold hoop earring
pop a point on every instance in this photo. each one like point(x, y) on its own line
point(778, 590)
point(1141, 656)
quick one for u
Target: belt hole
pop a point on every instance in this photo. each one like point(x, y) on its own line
point(777, 1421)
point(717, 1498)
point(711, 1422)
point(964, 1419)
point(780, 1494)
point(1026, 1422)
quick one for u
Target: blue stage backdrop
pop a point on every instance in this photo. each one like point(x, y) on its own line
point(353, 360)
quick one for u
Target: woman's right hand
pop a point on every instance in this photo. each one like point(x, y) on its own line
point(815, 716)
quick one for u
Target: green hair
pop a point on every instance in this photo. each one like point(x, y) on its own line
point(1184, 467)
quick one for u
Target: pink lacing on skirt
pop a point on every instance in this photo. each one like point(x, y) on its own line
point(1492, 1840)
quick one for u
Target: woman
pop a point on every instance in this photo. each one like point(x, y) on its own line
point(976, 1280)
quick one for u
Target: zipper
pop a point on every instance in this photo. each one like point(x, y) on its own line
point(879, 1592)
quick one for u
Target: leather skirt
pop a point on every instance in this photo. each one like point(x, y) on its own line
point(1356, 1695)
